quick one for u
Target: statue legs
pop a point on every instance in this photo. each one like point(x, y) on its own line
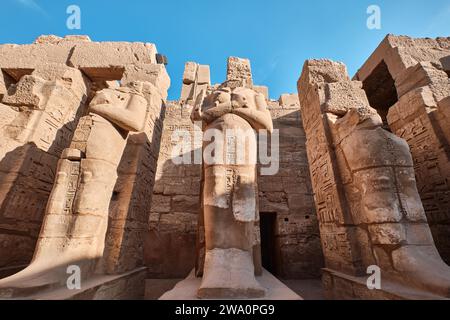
point(229, 216)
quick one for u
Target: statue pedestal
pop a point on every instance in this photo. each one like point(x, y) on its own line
point(275, 289)
point(129, 285)
point(341, 286)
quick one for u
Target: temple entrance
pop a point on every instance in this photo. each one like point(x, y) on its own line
point(267, 224)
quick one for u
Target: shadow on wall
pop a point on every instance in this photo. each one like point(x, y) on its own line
point(170, 244)
point(27, 174)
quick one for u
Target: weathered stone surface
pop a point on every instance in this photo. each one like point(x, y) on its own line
point(106, 60)
point(37, 124)
point(229, 188)
point(153, 73)
point(446, 63)
point(196, 78)
point(43, 101)
point(170, 246)
point(367, 201)
point(239, 72)
point(262, 89)
point(373, 189)
point(3, 84)
point(198, 73)
point(421, 75)
point(289, 100)
point(402, 52)
point(406, 79)
point(76, 223)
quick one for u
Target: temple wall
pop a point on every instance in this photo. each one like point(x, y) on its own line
point(171, 241)
point(289, 194)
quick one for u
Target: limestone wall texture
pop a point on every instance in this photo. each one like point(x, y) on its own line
point(45, 88)
point(289, 194)
point(416, 72)
point(170, 246)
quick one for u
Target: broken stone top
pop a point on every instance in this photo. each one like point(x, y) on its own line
point(100, 61)
point(239, 72)
point(52, 39)
point(196, 73)
point(322, 71)
point(401, 52)
point(338, 95)
point(405, 41)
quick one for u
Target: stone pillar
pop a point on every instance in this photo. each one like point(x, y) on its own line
point(239, 72)
point(368, 204)
point(195, 79)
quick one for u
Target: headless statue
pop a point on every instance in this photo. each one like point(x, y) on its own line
point(75, 223)
point(230, 190)
point(385, 198)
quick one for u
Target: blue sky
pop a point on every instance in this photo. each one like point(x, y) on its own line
point(276, 35)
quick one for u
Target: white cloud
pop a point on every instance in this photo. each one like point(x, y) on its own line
point(33, 5)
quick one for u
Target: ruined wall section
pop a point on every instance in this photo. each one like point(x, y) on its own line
point(132, 195)
point(422, 118)
point(337, 230)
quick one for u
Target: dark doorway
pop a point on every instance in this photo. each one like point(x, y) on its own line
point(380, 90)
point(267, 222)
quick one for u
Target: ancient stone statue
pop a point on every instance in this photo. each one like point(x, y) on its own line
point(230, 189)
point(73, 232)
point(368, 205)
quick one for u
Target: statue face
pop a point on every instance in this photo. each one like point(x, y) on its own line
point(378, 196)
point(111, 96)
point(216, 98)
point(243, 98)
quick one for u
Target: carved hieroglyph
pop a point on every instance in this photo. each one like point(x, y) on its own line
point(75, 223)
point(230, 190)
point(45, 88)
point(368, 205)
point(38, 116)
